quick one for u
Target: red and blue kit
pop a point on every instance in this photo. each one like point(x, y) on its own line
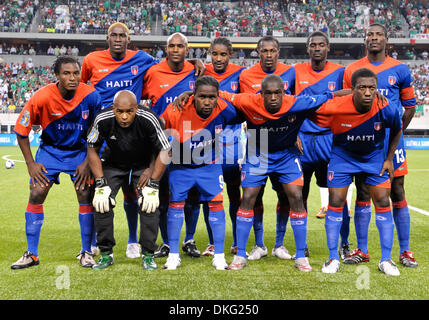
point(394, 81)
point(65, 124)
point(108, 75)
point(162, 85)
point(359, 139)
point(271, 140)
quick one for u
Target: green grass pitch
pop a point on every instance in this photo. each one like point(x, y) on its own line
point(59, 275)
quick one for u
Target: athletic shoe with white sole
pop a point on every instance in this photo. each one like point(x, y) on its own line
point(209, 252)
point(344, 251)
point(133, 251)
point(389, 268)
point(219, 262)
point(27, 260)
point(331, 266)
point(407, 259)
point(258, 253)
point(238, 263)
point(163, 251)
point(87, 259)
point(105, 261)
point(356, 256)
point(281, 253)
point(190, 248)
point(173, 262)
point(303, 265)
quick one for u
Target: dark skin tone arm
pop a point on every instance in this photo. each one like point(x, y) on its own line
point(35, 170)
point(407, 117)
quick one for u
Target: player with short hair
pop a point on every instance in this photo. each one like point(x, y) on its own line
point(136, 142)
point(64, 110)
point(359, 124)
point(231, 138)
point(316, 77)
point(394, 80)
point(250, 82)
point(196, 131)
point(162, 84)
point(276, 157)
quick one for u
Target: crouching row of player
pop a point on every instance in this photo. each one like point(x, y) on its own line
point(136, 142)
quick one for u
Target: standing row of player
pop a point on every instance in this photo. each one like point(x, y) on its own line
point(118, 68)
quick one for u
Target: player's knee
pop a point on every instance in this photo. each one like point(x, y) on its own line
point(397, 191)
point(37, 195)
point(362, 194)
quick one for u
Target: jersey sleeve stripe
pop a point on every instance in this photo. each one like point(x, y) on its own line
point(160, 133)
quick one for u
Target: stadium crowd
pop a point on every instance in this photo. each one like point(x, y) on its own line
point(207, 18)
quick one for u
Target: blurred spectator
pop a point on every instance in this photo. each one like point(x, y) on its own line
point(50, 51)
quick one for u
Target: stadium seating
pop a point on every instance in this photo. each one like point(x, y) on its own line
point(252, 18)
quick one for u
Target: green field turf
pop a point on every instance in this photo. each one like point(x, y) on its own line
point(59, 275)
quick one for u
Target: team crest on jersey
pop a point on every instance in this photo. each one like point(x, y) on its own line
point(286, 84)
point(218, 129)
point(25, 120)
point(377, 126)
point(391, 80)
point(330, 175)
point(234, 85)
point(243, 175)
point(134, 69)
point(331, 85)
point(191, 85)
point(93, 136)
point(291, 118)
point(85, 114)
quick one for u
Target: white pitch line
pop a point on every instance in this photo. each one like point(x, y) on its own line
point(419, 210)
point(6, 157)
point(418, 169)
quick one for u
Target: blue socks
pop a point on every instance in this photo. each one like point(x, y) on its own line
point(362, 219)
point(175, 217)
point(281, 224)
point(333, 224)
point(34, 217)
point(345, 226)
point(87, 228)
point(258, 226)
point(385, 226)
point(401, 216)
point(298, 221)
point(217, 225)
point(244, 225)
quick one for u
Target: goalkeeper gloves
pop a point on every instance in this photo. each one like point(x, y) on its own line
point(149, 196)
point(102, 198)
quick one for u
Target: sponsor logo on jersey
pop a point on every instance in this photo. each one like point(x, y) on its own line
point(234, 85)
point(164, 85)
point(103, 70)
point(85, 114)
point(256, 85)
point(330, 175)
point(348, 125)
point(25, 120)
point(391, 80)
point(191, 85)
point(303, 82)
point(377, 126)
point(286, 83)
point(56, 114)
point(134, 69)
point(331, 85)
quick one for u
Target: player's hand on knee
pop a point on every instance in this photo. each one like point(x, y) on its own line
point(102, 199)
point(149, 197)
point(37, 174)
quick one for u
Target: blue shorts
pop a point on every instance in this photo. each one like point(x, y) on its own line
point(340, 179)
point(316, 155)
point(400, 166)
point(58, 161)
point(285, 169)
point(207, 179)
